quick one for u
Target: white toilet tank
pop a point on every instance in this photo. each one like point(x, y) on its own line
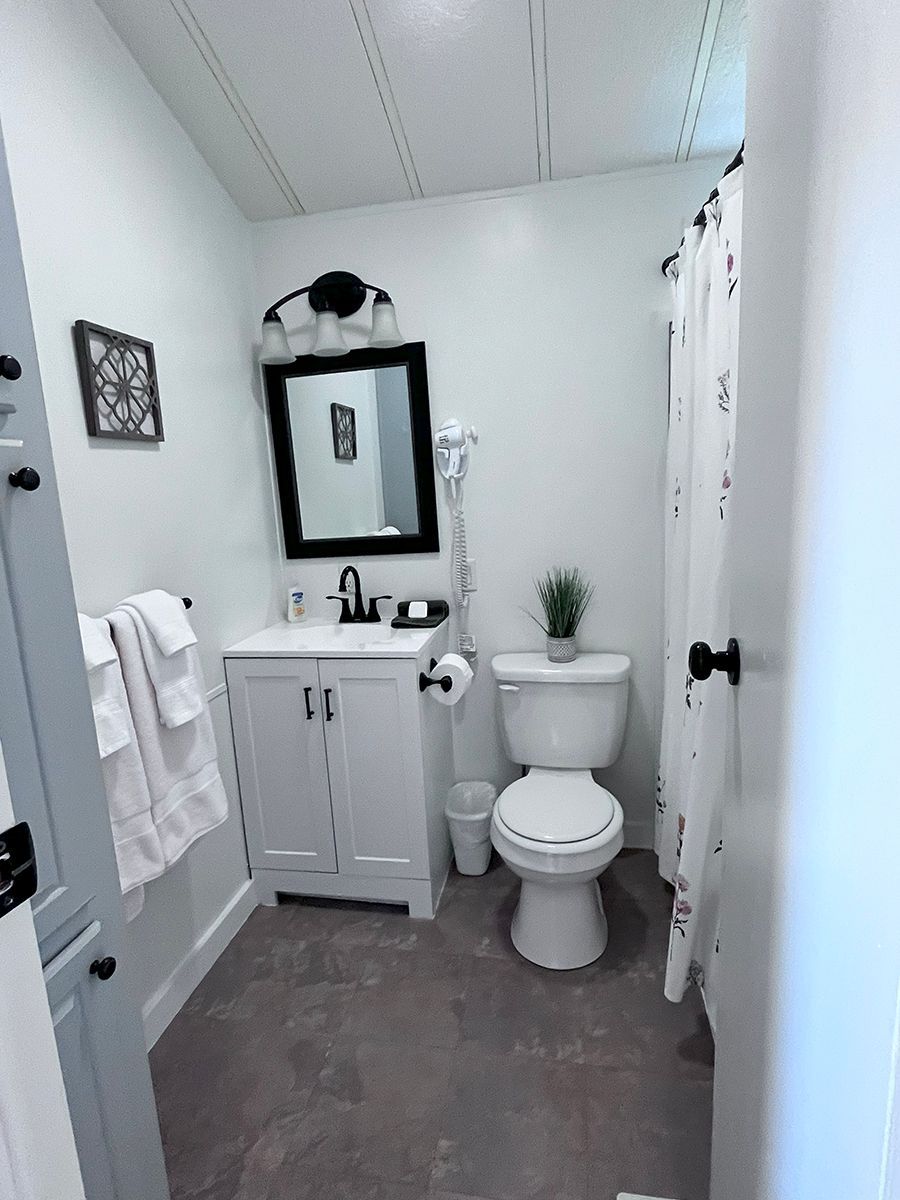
point(562, 714)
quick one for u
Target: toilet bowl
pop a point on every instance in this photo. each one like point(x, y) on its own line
point(556, 828)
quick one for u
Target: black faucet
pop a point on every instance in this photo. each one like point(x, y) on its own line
point(358, 616)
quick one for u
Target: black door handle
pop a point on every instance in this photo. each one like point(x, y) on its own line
point(310, 713)
point(103, 968)
point(328, 713)
point(702, 661)
point(25, 478)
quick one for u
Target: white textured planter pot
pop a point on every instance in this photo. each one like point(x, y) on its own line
point(561, 650)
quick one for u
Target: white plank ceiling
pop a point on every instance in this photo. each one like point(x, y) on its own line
point(309, 105)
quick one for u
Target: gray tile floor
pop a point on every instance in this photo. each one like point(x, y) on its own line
point(345, 1052)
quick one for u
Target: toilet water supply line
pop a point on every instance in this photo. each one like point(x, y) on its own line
point(452, 444)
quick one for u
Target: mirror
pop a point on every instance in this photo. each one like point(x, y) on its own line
point(352, 443)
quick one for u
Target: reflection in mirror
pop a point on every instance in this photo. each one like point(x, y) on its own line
point(351, 438)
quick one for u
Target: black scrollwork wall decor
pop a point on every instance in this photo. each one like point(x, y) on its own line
point(118, 384)
point(343, 428)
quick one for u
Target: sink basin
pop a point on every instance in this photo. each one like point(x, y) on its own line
point(355, 635)
point(325, 639)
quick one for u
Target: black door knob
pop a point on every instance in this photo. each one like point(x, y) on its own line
point(702, 661)
point(103, 968)
point(10, 368)
point(26, 478)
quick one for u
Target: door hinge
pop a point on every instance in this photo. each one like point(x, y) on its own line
point(18, 868)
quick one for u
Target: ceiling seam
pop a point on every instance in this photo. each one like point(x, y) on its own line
point(687, 102)
point(367, 36)
point(214, 65)
point(702, 59)
point(712, 45)
point(547, 90)
point(537, 25)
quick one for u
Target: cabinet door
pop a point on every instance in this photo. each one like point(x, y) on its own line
point(375, 766)
point(280, 745)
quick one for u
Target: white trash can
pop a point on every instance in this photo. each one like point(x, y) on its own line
point(469, 808)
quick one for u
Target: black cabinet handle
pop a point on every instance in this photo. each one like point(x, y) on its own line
point(702, 661)
point(25, 478)
point(103, 968)
point(310, 713)
point(328, 713)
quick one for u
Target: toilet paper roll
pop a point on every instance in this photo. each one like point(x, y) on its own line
point(460, 673)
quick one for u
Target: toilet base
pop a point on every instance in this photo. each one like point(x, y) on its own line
point(560, 925)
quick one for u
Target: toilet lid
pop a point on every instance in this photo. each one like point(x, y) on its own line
point(556, 806)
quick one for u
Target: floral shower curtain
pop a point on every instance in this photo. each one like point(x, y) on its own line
point(700, 485)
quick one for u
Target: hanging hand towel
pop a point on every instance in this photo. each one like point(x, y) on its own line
point(168, 645)
point(186, 790)
point(100, 658)
point(139, 853)
point(166, 618)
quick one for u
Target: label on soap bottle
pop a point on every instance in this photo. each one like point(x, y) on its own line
point(296, 605)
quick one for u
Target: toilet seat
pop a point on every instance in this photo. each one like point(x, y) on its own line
point(556, 806)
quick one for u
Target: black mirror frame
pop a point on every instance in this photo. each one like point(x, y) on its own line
point(412, 356)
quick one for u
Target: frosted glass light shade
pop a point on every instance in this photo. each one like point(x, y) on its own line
point(384, 326)
point(275, 348)
point(329, 339)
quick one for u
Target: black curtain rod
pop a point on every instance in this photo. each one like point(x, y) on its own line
point(700, 218)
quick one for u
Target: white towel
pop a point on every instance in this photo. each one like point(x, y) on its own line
point(186, 790)
point(110, 722)
point(166, 618)
point(139, 853)
point(169, 648)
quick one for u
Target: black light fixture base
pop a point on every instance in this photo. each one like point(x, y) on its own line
point(341, 292)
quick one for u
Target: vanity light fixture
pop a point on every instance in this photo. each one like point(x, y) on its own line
point(332, 296)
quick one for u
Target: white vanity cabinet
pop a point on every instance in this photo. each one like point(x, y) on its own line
point(344, 764)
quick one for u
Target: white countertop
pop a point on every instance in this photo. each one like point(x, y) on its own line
point(326, 639)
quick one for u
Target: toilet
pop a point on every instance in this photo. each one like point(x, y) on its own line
point(555, 827)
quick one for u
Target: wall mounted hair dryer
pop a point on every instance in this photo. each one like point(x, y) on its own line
point(452, 445)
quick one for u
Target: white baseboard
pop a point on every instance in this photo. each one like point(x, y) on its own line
point(639, 835)
point(169, 998)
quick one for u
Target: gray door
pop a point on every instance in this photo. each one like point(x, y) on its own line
point(54, 773)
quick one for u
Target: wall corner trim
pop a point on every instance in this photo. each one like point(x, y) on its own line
point(639, 835)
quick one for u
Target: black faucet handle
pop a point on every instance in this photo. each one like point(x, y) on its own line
point(346, 617)
point(373, 615)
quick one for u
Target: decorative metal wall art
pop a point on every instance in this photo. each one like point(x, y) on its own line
point(343, 428)
point(118, 384)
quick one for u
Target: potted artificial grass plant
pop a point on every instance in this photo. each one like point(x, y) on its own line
point(564, 594)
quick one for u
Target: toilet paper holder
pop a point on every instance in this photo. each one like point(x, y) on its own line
point(445, 683)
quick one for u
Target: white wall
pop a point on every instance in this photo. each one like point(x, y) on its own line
point(122, 223)
point(545, 318)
